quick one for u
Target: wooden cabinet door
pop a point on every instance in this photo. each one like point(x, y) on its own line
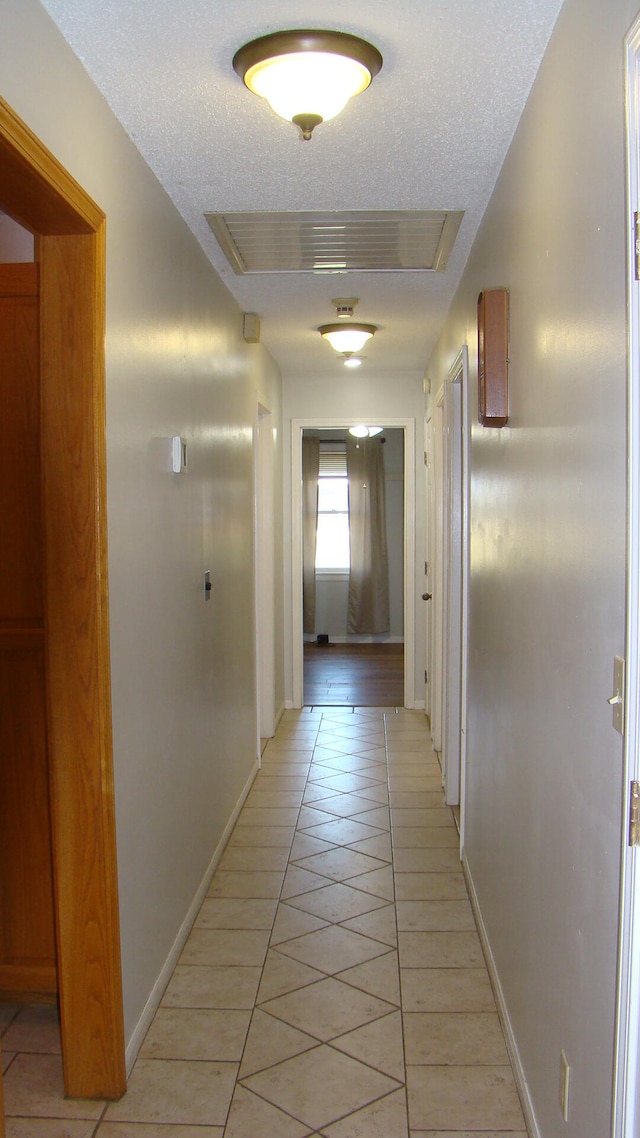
point(27, 935)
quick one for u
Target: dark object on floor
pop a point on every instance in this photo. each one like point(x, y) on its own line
point(322, 640)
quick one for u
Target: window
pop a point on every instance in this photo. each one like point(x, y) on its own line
point(332, 542)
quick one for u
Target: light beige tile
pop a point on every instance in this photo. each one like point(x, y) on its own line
point(440, 950)
point(490, 1100)
point(379, 882)
point(347, 805)
point(188, 1033)
point(269, 798)
point(261, 836)
point(381, 925)
point(343, 831)
point(347, 783)
point(268, 816)
point(379, 1044)
point(36, 1029)
point(142, 1130)
point(337, 902)
point(379, 977)
point(427, 916)
point(315, 793)
point(252, 1117)
point(299, 881)
point(321, 1086)
point(33, 1087)
point(327, 1009)
point(446, 990)
point(55, 1128)
point(7, 1013)
point(340, 863)
point(425, 837)
point(461, 1038)
point(236, 913)
point(210, 987)
point(468, 1134)
point(379, 847)
point(378, 817)
point(282, 974)
point(346, 763)
point(274, 782)
point(416, 817)
point(430, 887)
point(410, 783)
point(376, 793)
point(424, 800)
point(440, 860)
point(386, 1118)
point(313, 816)
point(176, 1091)
point(263, 859)
point(305, 846)
point(271, 1040)
point(235, 883)
point(333, 949)
point(291, 923)
point(222, 946)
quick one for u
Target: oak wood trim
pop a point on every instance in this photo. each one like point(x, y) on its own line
point(37, 191)
point(19, 279)
point(20, 980)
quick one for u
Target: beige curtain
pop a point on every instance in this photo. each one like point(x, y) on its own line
point(310, 466)
point(368, 610)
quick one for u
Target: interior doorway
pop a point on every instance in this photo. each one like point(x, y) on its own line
point(69, 232)
point(330, 427)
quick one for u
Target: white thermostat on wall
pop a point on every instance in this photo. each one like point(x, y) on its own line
point(178, 454)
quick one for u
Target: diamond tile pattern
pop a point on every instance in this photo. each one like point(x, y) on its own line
point(333, 984)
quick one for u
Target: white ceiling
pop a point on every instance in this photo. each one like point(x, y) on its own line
point(431, 132)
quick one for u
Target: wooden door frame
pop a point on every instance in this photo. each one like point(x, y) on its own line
point(70, 229)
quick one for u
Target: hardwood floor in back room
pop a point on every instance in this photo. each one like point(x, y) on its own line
point(357, 675)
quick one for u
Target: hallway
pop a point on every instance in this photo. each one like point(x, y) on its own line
point(305, 1001)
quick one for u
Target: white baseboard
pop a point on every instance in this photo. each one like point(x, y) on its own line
point(533, 1129)
point(157, 992)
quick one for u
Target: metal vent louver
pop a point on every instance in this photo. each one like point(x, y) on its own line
point(352, 241)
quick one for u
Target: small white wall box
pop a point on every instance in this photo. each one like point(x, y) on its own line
point(251, 328)
point(178, 454)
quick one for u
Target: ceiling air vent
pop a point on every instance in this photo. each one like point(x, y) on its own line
point(370, 241)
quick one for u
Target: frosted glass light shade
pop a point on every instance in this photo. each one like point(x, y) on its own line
point(307, 77)
point(347, 337)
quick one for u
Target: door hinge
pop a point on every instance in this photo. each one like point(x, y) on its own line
point(636, 227)
point(634, 815)
point(426, 456)
point(426, 678)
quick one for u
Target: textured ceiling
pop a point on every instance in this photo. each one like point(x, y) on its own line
point(430, 133)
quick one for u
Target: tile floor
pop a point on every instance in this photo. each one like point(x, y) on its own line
point(333, 985)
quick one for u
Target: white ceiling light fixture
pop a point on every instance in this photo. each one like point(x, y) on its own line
point(307, 76)
point(347, 337)
point(352, 361)
point(361, 431)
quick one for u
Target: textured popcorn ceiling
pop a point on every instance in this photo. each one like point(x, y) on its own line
point(430, 133)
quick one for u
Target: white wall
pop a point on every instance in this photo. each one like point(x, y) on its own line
point(544, 771)
point(364, 399)
point(184, 712)
point(16, 243)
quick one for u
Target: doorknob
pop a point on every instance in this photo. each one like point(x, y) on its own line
point(426, 596)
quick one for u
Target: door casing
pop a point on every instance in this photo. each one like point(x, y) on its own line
point(70, 230)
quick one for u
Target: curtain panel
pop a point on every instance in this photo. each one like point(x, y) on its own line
point(368, 609)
